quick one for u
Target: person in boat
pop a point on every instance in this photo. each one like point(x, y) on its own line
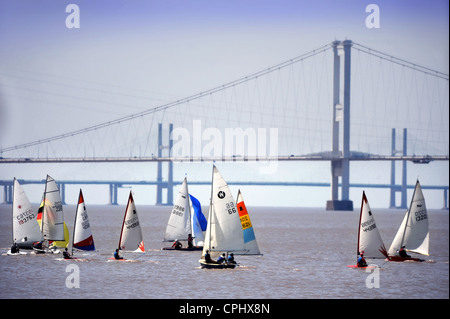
point(14, 248)
point(37, 245)
point(221, 259)
point(208, 257)
point(402, 252)
point(176, 244)
point(116, 254)
point(66, 254)
point(190, 240)
point(361, 261)
point(231, 259)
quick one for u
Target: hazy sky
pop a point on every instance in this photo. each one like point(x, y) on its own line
point(128, 56)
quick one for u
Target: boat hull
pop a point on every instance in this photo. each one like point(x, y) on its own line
point(402, 259)
point(184, 249)
point(206, 265)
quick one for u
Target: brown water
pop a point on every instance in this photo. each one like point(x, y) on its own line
point(306, 253)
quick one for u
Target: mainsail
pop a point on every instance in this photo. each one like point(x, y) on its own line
point(52, 218)
point(179, 224)
point(369, 239)
point(82, 234)
point(224, 231)
point(25, 226)
point(250, 243)
point(413, 232)
point(131, 234)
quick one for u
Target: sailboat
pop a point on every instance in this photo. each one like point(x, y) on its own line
point(179, 226)
point(250, 243)
point(25, 228)
point(413, 233)
point(224, 231)
point(82, 234)
point(131, 234)
point(51, 217)
point(370, 243)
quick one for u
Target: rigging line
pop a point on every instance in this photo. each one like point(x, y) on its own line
point(175, 103)
point(401, 62)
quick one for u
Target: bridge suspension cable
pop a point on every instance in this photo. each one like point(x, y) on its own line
point(399, 61)
point(162, 107)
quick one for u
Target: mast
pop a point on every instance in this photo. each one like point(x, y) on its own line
point(12, 209)
point(189, 206)
point(210, 207)
point(43, 208)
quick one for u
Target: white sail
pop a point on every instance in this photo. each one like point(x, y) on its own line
point(131, 234)
point(179, 224)
point(369, 239)
point(413, 232)
point(82, 234)
point(25, 226)
point(250, 243)
point(52, 224)
point(224, 231)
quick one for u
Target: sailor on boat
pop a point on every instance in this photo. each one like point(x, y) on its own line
point(14, 248)
point(361, 261)
point(116, 255)
point(221, 259)
point(190, 240)
point(402, 252)
point(231, 259)
point(66, 254)
point(177, 244)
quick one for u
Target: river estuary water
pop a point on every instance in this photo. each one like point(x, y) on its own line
point(306, 253)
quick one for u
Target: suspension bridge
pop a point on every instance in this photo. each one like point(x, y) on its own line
point(293, 101)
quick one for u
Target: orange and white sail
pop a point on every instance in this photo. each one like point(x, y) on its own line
point(131, 234)
point(82, 234)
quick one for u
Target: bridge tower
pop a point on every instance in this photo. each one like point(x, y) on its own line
point(341, 113)
point(161, 185)
point(394, 188)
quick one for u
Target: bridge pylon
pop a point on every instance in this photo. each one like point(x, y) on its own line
point(341, 114)
point(168, 184)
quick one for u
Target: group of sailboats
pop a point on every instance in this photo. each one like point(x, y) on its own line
point(46, 231)
point(228, 229)
point(412, 235)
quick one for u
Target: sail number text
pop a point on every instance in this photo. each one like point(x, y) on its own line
point(231, 208)
point(421, 215)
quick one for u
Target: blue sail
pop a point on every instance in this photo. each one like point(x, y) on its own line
point(198, 212)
